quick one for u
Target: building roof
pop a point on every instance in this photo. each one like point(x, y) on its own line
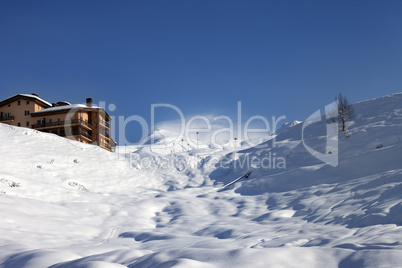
point(65, 107)
point(25, 96)
point(61, 103)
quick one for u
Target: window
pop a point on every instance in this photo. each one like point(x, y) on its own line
point(9, 105)
point(50, 120)
point(58, 131)
point(27, 124)
point(27, 101)
point(50, 131)
point(19, 124)
point(26, 112)
point(58, 121)
point(19, 102)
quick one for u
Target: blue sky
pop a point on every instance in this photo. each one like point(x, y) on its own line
point(276, 57)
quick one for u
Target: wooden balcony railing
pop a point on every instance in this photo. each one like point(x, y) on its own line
point(62, 123)
point(7, 118)
point(76, 133)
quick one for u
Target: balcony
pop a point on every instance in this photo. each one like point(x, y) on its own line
point(82, 133)
point(107, 135)
point(107, 146)
point(62, 124)
point(77, 133)
point(7, 118)
point(105, 124)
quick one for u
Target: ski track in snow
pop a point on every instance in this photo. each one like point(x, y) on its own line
point(67, 204)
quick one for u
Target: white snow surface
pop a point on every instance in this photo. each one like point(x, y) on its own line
point(67, 204)
point(65, 107)
point(31, 96)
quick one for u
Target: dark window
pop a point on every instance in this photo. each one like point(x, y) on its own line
point(19, 124)
point(27, 101)
point(50, 131)
point(27, 124)
point(8, 105)
point(19, 102)
point(50, 120)
point(26, 112)
point(58, 131)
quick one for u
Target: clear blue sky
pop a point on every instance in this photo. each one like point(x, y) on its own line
point(277, 57)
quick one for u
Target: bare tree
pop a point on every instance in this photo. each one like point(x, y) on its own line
point(345, 110)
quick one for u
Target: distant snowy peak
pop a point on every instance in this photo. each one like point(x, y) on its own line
point(287, 125)
point(161, 137)
point(291, 124)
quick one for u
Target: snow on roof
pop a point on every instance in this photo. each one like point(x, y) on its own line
point(65, 107)
point(65, 102)
point(35, 97)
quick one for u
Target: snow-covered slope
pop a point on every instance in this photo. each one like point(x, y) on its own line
point(67, 204)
